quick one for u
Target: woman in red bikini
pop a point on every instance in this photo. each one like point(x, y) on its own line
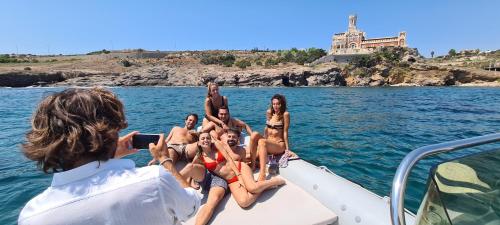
point(215, 158)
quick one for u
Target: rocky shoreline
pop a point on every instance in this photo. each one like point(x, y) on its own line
point(416, 75)
point(183, 70)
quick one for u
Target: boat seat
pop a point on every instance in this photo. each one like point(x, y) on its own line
point(286, 205)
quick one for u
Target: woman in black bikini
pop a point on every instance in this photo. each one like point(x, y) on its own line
point(215, 158)
point(213, 102)
point(275, 140)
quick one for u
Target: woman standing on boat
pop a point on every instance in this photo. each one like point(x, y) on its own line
point(213, 103)
point(216, 158)
point(275, 140)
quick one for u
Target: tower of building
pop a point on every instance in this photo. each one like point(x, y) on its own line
point(352, 23)
point(354, 41)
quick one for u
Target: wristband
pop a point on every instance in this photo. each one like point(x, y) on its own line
point(165, 160)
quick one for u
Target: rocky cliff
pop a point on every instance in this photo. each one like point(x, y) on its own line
point(403, 68)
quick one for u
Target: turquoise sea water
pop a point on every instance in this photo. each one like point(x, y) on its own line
point(359, 133)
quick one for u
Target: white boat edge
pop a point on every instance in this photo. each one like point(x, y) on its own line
point(353, 204)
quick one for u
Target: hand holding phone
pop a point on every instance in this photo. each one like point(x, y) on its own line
point(124, 145)
point(141, 141)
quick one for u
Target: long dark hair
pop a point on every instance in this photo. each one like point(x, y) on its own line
point(282, 100)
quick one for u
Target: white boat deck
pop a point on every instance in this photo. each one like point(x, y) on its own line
point(286, 205)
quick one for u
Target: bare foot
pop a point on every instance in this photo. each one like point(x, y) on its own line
point(278, 181)
point(292, 154)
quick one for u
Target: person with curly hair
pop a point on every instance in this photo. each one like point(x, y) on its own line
point(75, 135)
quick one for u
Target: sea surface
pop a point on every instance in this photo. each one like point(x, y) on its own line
point(359, 133)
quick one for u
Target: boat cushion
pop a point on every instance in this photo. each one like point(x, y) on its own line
point(286, 205)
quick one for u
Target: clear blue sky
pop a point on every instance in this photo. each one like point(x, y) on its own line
point(81, 26)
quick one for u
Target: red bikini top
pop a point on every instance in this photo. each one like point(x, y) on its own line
point(212, 165)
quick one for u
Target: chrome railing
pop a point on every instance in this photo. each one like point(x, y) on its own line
point(404, 168)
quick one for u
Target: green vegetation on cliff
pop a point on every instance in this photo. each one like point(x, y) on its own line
point(242, 64)
point(387, 55)
point(265, 58)
point(104, 51)
point(300, 56)
point(224, 59)
point(5, 58)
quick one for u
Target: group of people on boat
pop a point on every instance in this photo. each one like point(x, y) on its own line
point(217, 159)
point(75, 135)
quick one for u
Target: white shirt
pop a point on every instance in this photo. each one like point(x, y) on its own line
point(112, 192)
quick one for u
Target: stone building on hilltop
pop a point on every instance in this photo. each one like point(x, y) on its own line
point(354, 41)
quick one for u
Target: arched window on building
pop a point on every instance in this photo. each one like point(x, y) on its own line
point(353, 45)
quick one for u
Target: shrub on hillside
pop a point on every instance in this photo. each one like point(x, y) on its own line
point(254, 50)
point(452, 52)
point(301, 56)
point(315, 53)
point(242, 64)
point(125, 63)
point(360, 72)
point(389, 54)
point(271, 62)
point(104, 51)
point(228, 63)
point(5, 58)
point(225, 59)
point(364, 61)
point(386, 55)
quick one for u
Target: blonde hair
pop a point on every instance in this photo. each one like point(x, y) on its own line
point(209, 85)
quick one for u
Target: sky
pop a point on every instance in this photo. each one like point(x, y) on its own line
point(81, 26)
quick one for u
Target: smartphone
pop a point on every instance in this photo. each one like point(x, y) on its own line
point(141, 141)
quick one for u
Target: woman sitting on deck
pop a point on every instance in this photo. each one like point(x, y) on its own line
point(213, 103)
point(275, 140)
point(239, 176)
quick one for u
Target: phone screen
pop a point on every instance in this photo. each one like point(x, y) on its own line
point(141, 141)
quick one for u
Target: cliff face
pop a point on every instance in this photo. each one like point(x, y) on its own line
point(23, 79)
point(399, 68)
point(169, 76)
point(420, 75)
